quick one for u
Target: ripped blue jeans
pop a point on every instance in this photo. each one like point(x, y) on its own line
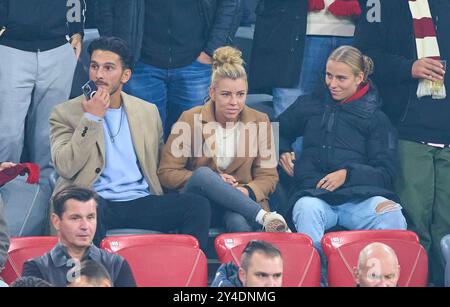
point(313, 216)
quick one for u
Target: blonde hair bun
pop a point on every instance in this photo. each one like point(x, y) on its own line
point(227, 64)
point(227, 55)
point(368, 65)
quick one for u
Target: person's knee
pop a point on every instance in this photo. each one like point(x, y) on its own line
point(308, 206)
point(386, 206)
point(203, 171)
point(202, 174)
point(390, 215)
point(307, 210)
point(199, 179)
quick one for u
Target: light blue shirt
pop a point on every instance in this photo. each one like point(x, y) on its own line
point(122, 179)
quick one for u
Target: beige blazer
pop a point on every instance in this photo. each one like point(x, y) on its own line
point(78, 146)
point(255, 167)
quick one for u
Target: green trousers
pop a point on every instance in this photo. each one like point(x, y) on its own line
point(423, 185)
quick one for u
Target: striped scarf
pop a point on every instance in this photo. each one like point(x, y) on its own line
point(337, 8)
point(21, 169)
point(426, 44)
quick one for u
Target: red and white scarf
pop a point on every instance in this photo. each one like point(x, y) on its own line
point(426, 44)
point(21, 169)
point(337, 8)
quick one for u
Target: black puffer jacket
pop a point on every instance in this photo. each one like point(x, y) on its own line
point(356, 136)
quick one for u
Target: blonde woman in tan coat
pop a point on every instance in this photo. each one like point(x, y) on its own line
point(224, 151)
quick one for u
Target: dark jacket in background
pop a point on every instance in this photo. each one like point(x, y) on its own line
point(54, 266)
point(173, 33)
point(278, 44)
point(92, 12)
point(227, 276)
point(391, 45)
point(356, 136)
point(37, 25)
point(125, 19)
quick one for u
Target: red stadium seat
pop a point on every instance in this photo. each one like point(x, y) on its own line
point(161, 260)
point(300, 259)
point(22, 249)
point(342, 251)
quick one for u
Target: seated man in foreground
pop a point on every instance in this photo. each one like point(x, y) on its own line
point(377, 266)
point(75, 220)
point(261, 266)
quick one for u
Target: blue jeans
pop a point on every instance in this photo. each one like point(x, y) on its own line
point(312, 216)
point(173, 91)
point(317, 50)
point(240, 210)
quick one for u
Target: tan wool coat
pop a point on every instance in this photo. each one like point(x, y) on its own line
point(192, 145)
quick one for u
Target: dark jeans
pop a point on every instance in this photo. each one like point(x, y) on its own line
point(173, 91)
point(239, 211)
point(188, 213)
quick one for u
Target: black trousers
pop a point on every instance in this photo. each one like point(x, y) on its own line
point(187, 213)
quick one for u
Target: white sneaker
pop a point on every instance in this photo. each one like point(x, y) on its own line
point(274, 222)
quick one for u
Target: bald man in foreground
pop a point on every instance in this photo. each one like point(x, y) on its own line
point(377, 266)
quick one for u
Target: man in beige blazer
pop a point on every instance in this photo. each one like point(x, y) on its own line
point(111, 143)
